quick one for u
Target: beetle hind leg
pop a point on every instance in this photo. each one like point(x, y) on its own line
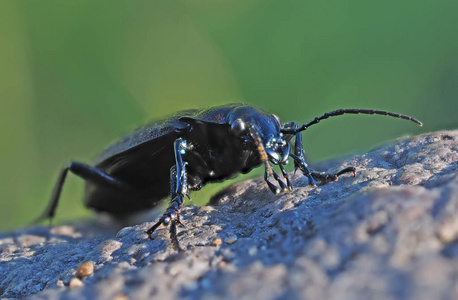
point(50, 210)
point(172, 218)
point(88, 173)
point(179, 189)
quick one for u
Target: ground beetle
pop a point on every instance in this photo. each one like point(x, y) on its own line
point(191, 148)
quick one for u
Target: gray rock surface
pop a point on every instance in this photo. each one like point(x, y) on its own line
point(391, 232)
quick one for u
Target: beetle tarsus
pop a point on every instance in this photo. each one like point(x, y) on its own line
point(347, 170)
point(179, 189)
point(285, 175)
point(304, 169)
point(172, 231)
point(272, 187)
point(153, 228)
point(179, 221)
point(329, 177)
point(324, 177)
point(173, 236)
point(280, 182)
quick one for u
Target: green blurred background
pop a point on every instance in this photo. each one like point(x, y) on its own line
point(77, 75)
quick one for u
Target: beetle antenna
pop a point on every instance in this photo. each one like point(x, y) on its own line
point(340, 112)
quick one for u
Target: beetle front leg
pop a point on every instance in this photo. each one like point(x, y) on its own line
point(270, 172)
point(285, 175)
point(299, 162)
point(299, 155)
point(328, 177)
point(179, 189)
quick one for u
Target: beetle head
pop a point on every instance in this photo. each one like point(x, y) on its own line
point(277, 150)
point(264, 130)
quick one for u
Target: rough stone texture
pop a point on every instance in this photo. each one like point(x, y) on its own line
point(391, 232)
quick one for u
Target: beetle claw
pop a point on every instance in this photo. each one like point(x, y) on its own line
point(312, 182)
point(153, 228)
point(172, 230)
point(290, 185)
point(178, 220)
point(272, 187)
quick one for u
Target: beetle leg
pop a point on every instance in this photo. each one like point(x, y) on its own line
point(88, 173)
point(173, 235)
point(264, 158)
point(270, 172)
point(179, 189)
point(302, 165)
point(280, 182)
point(299, 156)
point(299, 162)
point(285, 175)
point(328, 177)
point(347, 170)
point(272, 187)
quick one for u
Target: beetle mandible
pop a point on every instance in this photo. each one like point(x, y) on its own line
point(191, 148)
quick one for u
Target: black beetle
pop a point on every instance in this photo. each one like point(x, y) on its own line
point(194, 147)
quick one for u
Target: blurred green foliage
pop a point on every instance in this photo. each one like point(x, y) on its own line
point(77, 75)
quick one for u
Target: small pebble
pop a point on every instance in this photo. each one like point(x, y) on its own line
point(448, 230)
point(120, 296)
point(60, 283)
point(76, 283)
point(86, 269)
point(231, 239)
point(217, 242)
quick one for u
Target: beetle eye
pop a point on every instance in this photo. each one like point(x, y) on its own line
point(278, 120)
point(238, 127)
